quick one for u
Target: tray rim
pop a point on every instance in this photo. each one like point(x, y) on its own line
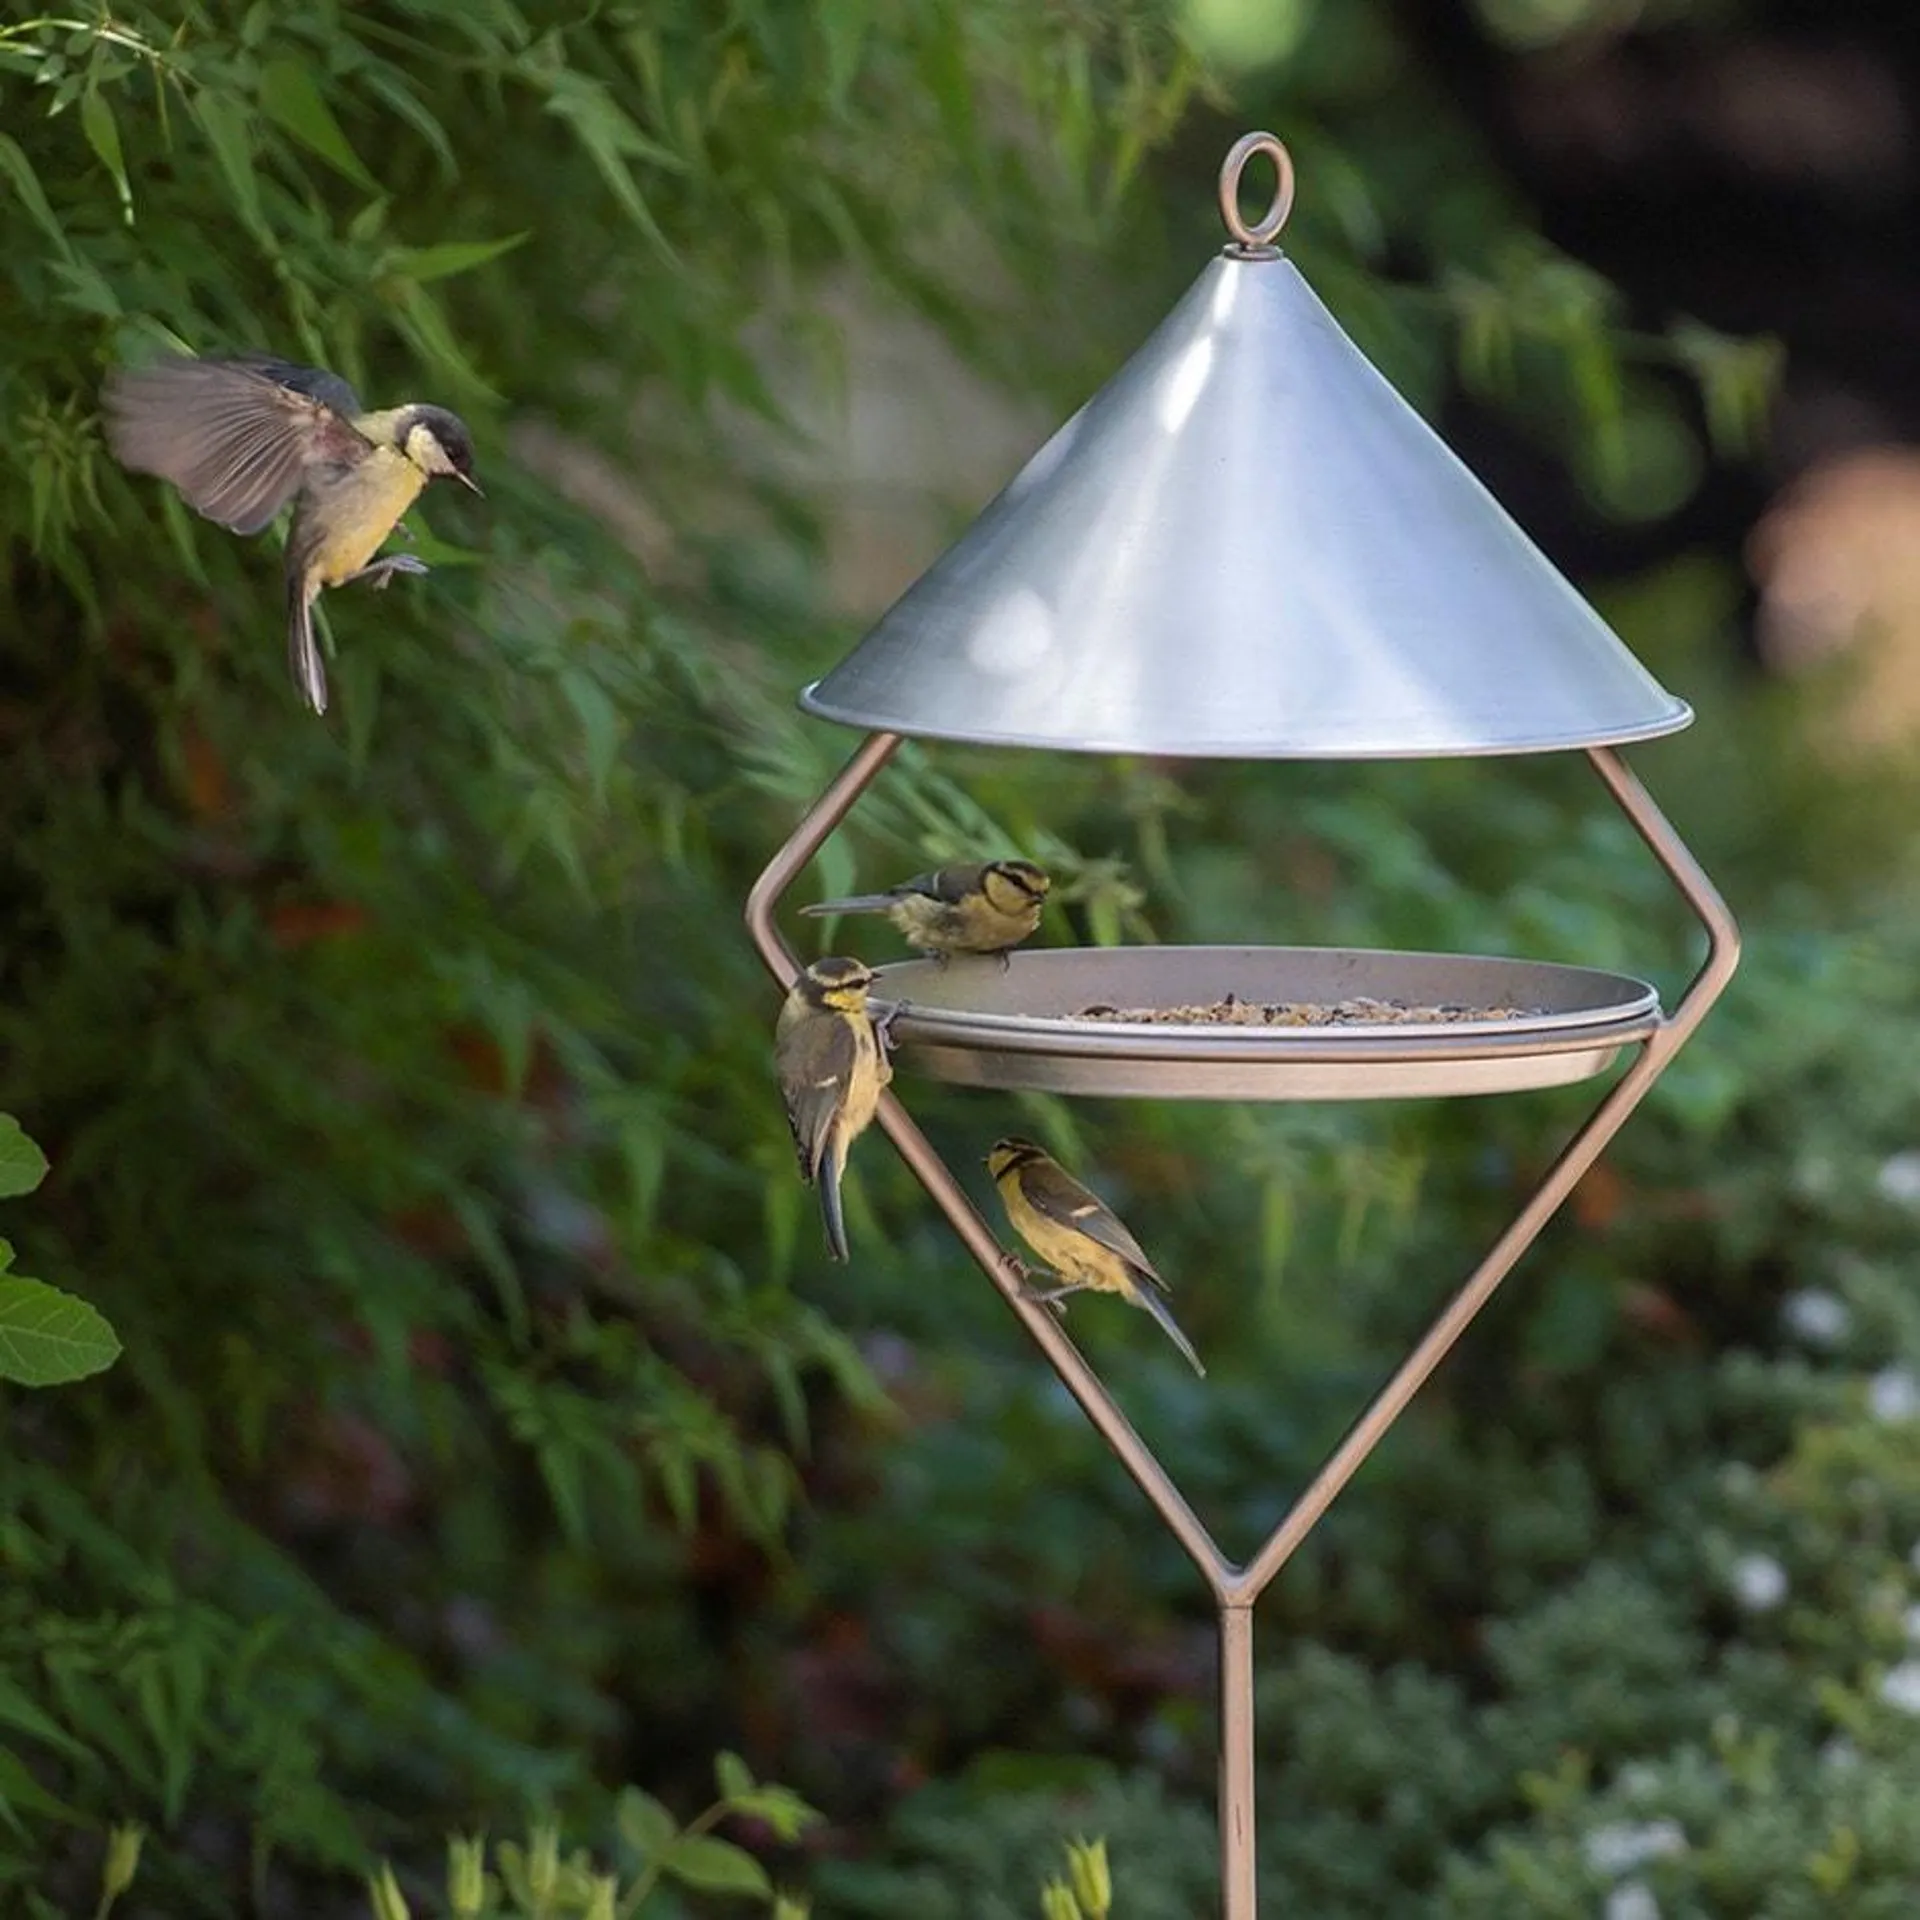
point(1631, 1014)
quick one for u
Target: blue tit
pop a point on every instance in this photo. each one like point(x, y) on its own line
point(985, 907)
point(241, 437)
point(1077, 1235)
point(832, 1064)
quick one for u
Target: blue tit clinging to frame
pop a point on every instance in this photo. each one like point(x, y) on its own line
point(242, 436)
point(985, 906)
point(832, 1064)
point(1078, 1236)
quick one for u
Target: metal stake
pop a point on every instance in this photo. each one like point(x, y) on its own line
point(1237, 1588)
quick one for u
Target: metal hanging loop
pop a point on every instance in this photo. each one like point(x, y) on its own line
point(1259, 237)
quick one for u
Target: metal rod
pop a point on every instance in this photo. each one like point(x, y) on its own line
point(1239, 1888)
point(806, 840)
point(1586, 1146)
point(1686, 873)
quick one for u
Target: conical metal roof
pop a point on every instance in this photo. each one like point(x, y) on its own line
point(1247, 545)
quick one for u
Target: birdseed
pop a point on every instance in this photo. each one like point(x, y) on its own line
point(1358, 1012)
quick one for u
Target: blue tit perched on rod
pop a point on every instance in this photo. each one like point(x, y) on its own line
point(1078, 1236)
point(986, 906)
point(241, 437)
point(832, 1064)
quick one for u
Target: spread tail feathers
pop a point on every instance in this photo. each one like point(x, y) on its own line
point(303, 650)
point(1148, 1298)
point(860, 903)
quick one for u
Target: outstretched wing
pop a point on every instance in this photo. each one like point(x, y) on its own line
point(235, 436)
point(1055, 1193)
point(816, 1061)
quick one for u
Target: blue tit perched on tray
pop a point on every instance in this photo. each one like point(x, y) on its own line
point(986, 906)
point(243, 436)
point(1078, 1236)
point(832, 1065)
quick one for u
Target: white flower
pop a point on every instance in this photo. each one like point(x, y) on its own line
point(1893, 1394)
point(1631, 1901)
point(1628, 1844)
point(1901, 1686)
point(1759, 1582)
point(1899, 1178)
point(1819, 1318)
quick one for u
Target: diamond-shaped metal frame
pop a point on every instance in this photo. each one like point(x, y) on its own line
point(1237, 1587)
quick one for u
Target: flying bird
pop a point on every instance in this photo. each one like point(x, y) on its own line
point(242, 436)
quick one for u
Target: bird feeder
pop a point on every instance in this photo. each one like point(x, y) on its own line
point(1247, 545)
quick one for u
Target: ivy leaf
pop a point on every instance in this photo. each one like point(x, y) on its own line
point(48, 1337)
point(22, 1165)
point(289, 98)
point(715, 1866)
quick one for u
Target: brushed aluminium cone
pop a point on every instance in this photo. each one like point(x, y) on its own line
point(1247, 545)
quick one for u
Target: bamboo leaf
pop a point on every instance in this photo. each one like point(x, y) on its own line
point(290, 98)
point(229, 129)
point(103, 136)
point(450, 256)
point(26, 183)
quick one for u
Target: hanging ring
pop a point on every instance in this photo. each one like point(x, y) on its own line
point(1260, 236)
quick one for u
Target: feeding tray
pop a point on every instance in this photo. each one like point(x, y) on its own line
point(1261, 1023)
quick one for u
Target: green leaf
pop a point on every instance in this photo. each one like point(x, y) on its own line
point(289, 97)
point(731, 1775)
point(19, 1711)
point(451, 256)
point(229, 130)
point(645, 1825)
point(103, 136)
point(48, 1337)
point(780, 1807)
point(602, 725)
point(19, 1789)
point(844, 26)
point(26, 183)
point(715, 1866)
point(22, 1165)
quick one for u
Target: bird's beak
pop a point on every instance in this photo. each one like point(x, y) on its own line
point(467, 480)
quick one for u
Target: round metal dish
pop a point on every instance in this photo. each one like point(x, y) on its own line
point(979, 1024)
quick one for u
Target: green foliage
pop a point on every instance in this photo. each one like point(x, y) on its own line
point(538, 1882)
point(47, 1337)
